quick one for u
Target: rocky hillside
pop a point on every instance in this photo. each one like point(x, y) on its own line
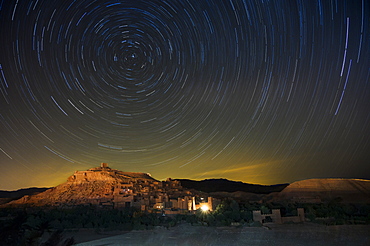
point(324, 190)
point(100, 186)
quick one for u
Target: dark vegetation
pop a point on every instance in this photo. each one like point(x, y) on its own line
point(217, 185)
point(337, 213)
point(26, 226)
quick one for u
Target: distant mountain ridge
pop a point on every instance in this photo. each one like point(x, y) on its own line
point(7, 196)
point(224, 185)
point(21, 192)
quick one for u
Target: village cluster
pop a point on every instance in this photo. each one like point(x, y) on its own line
point(141, 191)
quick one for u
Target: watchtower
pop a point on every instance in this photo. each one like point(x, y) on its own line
point(103, 165)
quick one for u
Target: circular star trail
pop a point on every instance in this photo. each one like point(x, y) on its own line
point(258, 91)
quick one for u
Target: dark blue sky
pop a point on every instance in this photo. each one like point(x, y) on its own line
point(257, 91)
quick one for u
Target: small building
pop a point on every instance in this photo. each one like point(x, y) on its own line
point(103, 165)
point(275, 217)
point(208, 203)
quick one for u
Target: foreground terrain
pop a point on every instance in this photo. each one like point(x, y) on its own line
point(272, 234)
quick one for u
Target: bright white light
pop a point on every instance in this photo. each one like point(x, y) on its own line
point(204, 208)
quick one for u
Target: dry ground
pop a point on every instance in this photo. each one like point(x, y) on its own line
point(185, 234)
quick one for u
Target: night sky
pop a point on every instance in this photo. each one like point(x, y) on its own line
point(257, 91)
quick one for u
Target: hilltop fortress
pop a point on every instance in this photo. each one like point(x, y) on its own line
point(105, 173)
point(110, 188)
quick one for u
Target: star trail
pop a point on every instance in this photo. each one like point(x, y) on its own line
point(257, 91)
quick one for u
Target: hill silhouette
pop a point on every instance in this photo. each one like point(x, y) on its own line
point(7, 196)
point(323, 190)
point(21, 192)
point(224, 185)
